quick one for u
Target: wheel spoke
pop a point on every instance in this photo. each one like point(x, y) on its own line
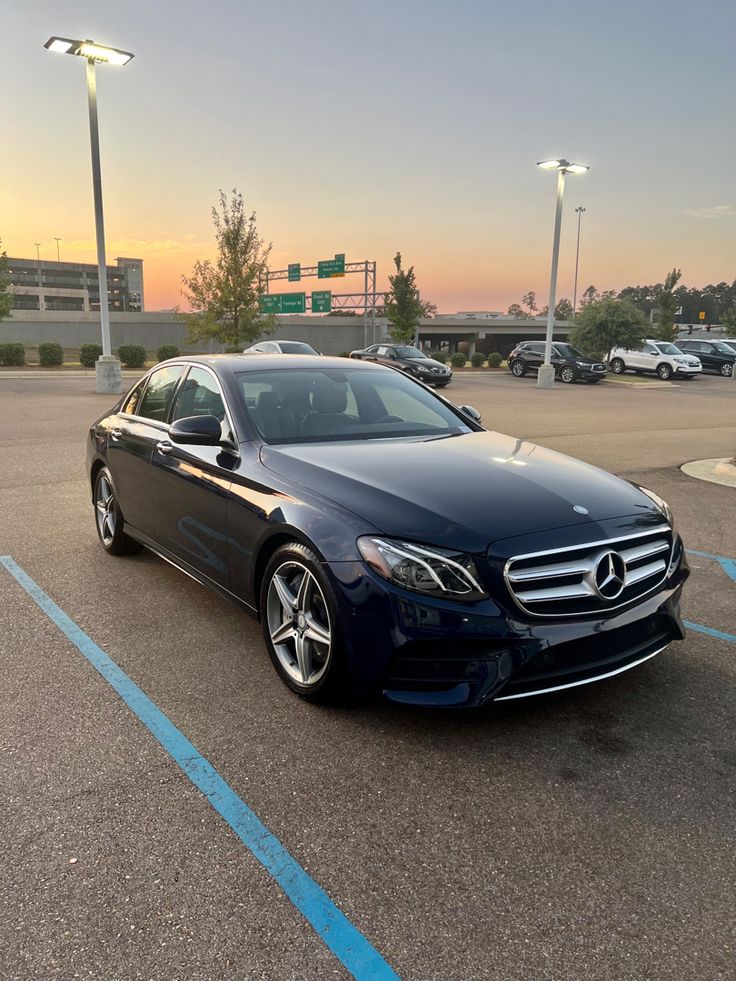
point(303, 592)
point(303, 657)
point(315, 631)
point(283, 632)
point(287, 598)
point(101, 507)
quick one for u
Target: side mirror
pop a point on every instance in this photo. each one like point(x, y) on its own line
point(469, 411)
point(202, 430)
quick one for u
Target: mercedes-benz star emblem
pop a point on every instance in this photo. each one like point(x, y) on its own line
point(610, 575)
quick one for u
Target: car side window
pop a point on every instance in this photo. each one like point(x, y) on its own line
point(383, 351)
point(130, 407)
point(200, 395)
point(159, 391)
point(649, 349)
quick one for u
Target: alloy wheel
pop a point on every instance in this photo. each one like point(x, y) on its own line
point(617, 366)
point(726, 370)
point(518, 368)
point(567, 374)
point(105, 510)
point(299, 623)
point(665, 372)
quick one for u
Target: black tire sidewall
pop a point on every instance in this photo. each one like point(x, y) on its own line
point(333, 685)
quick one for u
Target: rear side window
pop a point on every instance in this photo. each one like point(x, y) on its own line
point(130, 408)
point(199, 396)
point(159, 392)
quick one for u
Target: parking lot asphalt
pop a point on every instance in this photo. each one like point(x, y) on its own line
point(587, 835)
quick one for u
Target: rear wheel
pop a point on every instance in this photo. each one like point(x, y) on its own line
point(109, 518)
point(300, 625)
point(617, 366)
point(518, 368)
point(726, 370)
point(567, 374)
point(664, 371)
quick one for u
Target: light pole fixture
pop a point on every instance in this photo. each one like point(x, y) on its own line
point(546, 373)
point(58, 256)
point(107, 368)
point(38, 251)
point(579, 213)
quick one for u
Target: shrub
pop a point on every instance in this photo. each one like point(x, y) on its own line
point(494, 359)
point(50, 353)
point(477, 359)
point(344, 354)
point(132, 355)
point(88, 355)
point(458, 360)
point(234, 350)
point(440, 356)
point(167, 351)
point(12, 354)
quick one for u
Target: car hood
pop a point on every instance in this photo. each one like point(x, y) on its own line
point(461, 491)
point(425, 363)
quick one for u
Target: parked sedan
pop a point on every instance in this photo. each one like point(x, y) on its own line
point(410, 359)
point(280, 347)
point(715, 356)
point(569, 363)
point(387, 541)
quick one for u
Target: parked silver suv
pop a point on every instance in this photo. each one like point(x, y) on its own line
point(658, 357)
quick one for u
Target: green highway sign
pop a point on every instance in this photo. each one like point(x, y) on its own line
point(340, 255)
point(295, 272)
point(321, 301)
point(282, 303)
point(326, 268)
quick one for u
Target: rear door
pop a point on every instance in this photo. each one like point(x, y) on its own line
point(533, 354)
point(193, 482)
point(136, 429)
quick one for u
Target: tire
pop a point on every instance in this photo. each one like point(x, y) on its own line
point(299, 618)
point(109, 518)
point(568, 374)
point(726, 370)
point(664, 371)
point(617, 366)
point(518, 368)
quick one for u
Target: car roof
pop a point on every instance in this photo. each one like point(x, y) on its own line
point(241, 362)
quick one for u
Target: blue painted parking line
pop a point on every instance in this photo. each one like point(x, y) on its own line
point(728, 565)
point(710, 631)
point(345, 941)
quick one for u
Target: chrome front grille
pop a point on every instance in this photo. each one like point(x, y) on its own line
point(592, 578)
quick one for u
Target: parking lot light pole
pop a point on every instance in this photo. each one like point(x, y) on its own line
point(108, 374)
point(546, 373)
point(579, 213)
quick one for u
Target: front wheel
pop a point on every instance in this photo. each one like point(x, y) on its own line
point(617, 366)
point(726, 370)
point(664, 371)
point(109, 518)
point(518, 368)
point(567, 374)
point(300, 625)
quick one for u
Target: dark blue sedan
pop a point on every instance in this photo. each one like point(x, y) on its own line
point(387, 542)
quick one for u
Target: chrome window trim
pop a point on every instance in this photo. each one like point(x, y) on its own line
point(585, 681)
point(660, 529)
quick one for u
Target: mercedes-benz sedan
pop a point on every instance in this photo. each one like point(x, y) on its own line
point(386, 541)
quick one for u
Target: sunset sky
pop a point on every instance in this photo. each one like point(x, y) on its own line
point(382, 125)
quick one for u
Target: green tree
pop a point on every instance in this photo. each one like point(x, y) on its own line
point(222, 295)
point(563, 310)
point(604, 324)
point(590, 295)
point(516, 310)
point(403, 306)
point(728, 320)
point(529, 302)
point(666, 307)
point(6, 299)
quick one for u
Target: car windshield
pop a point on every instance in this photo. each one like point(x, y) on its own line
point(731, 345)
point(296, 347)
point(308, 406)
point(409, 352)
point(568, 351)
point(666, 348)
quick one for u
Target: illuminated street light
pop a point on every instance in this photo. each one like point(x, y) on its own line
point(107, 369)
point(546, 373)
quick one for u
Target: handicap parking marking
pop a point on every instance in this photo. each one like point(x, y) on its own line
point(345, 941)
point(710, 631)
point(728, 565)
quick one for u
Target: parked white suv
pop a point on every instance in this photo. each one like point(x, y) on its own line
point(659, 357)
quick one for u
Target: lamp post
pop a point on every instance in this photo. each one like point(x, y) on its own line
point(579, 213)
point(38, 251)
point(58, 256)
point(107, 369)
point(546, 373)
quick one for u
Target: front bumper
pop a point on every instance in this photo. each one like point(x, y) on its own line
point(589, 372)
point(434, 377)
point(421, 651)
point(687, 369)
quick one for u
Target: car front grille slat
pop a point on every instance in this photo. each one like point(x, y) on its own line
point(571, 581)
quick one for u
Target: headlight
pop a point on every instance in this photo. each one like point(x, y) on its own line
point(433, 571)
point(580, 364)
point(661, 504)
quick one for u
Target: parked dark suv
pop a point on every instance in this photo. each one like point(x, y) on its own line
point(569, 363)
point(715, 356)
point(410, 359)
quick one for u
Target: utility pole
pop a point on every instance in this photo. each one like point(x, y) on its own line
point(579, 212)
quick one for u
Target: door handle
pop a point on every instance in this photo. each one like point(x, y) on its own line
point(164, 446)
point(116, 433)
